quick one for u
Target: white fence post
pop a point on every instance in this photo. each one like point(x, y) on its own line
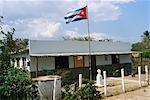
point(105, 83)
point(146, 74)
point(80, 80)
point(54, 90)
point(122, 78)
point(139, 76)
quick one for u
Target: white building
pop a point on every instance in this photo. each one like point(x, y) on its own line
point(51, 55)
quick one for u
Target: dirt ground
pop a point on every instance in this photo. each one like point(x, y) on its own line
point(114, 88)
point(139, 94)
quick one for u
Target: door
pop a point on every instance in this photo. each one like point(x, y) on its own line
point(61, 62)
point(79, 61)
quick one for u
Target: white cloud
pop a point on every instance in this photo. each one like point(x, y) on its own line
point(71, 34)
point(42, 27)
point(103, 10)
point(99, 10)
point(100, 36)
point(38, 19)
point(35, 28)
point(96, 36)
point(120, 1)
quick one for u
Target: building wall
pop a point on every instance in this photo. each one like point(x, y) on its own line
point(33, 64)
point(103, 60)
point(125, 58)
point(20, 56)
point(44, 63)
point(71, 62)
point(86, 61)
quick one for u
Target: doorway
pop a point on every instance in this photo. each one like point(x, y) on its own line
point(61, 62)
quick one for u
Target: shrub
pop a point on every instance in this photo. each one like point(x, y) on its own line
point(115, 72)
point(64, 73)
point(88, 91)
point(146, 54)
point(17, 84)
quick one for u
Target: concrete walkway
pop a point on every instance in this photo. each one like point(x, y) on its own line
point(140, 94)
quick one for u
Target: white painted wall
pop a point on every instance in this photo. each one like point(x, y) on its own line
point(71, 62)
point(100, 60)
point(44, 63)
point(33, 64)
point(125, 58)
point(20, 56)
point(86, 61)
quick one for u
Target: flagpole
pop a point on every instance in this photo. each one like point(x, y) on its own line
point(89, 46)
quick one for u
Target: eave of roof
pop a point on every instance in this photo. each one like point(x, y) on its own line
point(72, 54)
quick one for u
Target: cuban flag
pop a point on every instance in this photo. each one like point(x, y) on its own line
point(79, 14)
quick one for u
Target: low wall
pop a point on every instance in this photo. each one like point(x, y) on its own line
point(111, 68)
point(46, 88)
point(74, 72)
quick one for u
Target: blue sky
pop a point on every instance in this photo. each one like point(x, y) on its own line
point(121, 20)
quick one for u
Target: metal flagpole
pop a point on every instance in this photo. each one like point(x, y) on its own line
point(89, 46)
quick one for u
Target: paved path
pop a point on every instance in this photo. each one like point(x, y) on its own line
point(140, 94)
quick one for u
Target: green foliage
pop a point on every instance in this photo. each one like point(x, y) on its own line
point(9, 45)
point(6, 46)
point(146, 35)
point(88, 91)
point(64, 73)
point(144, 45)
point(137, 46)
point(115, 72)
point(16, 83)
point(86, 81)
point(85, 38)
point(146, 54)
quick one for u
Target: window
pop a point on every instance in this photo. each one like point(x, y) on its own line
point(78, 61)
point(61, 62)
point(115, 59)
point(106, 57)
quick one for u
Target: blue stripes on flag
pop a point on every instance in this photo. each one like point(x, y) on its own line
point(75, 15)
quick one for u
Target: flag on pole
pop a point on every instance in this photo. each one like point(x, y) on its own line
point(79, 14)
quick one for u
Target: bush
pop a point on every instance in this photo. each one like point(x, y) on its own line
point(146, 54)
point(116, 72)
point(64, 73)
point(88, 91)
point(16, 83)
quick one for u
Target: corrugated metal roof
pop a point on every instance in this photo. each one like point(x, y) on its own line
point(53, 48)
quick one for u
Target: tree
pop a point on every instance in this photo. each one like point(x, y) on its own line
point(15, 84)
point(144, 45)
point(146, 35)
point(6, 46)
point(84, 38)
point(9, 45)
